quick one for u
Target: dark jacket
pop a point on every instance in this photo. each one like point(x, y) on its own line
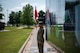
point(40, 34)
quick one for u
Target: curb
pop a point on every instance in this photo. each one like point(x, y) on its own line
point(57, 48)
point(25, 43)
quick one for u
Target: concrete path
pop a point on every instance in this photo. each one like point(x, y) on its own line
point(4, 30)
point(31, 46)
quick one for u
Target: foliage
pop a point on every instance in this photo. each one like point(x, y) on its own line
point(17, 18)
point(12, 18)
point(41, 13)
point(41, 16)
point(1, 11)
point(27, 15)
point(2, 25)
point(1, 15)
point(1, 8)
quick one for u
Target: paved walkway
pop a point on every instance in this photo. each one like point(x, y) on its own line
point(31, 46)
point(4, 30)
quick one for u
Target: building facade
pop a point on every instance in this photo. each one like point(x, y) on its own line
point(63, 25)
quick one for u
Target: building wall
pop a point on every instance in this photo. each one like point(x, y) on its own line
point(77, 26)
point(66, 40)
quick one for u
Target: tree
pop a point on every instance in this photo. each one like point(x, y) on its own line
point(12, 18)
point(1, 15)
point(27, 15)
point(1, 11)
point(41, 16)
point(2, 24)
point(17, 18)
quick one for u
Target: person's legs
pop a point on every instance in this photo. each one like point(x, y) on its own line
point(40, 47)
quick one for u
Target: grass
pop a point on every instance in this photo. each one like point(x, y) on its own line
point(68, 45)
point(10, 42)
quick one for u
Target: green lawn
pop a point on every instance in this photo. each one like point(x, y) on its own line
point(10, 42)
point(68, 45)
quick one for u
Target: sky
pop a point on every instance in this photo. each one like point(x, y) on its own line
point(57, 8)
point(16, 5)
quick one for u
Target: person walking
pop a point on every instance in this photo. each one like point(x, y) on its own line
point(40, 38)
